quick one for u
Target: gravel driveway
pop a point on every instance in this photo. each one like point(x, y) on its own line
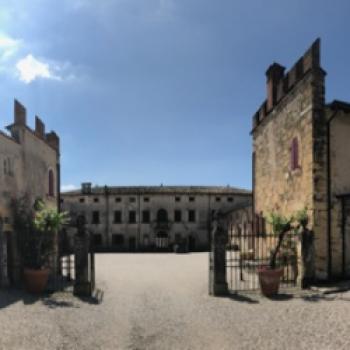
point(160, 301)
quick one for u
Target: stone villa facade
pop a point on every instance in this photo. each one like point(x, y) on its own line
point(301, 159)
point(152, 218)
point(29, 165)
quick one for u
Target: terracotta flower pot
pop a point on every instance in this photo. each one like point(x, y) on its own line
point(269, 280)
point(35, 281)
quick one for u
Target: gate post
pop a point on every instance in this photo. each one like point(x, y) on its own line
point(83, 285)
point(217, 271)
point(4, 282)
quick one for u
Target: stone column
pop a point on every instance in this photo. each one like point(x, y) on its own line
point(4, 282)
point(82, 284)
point(217, 273)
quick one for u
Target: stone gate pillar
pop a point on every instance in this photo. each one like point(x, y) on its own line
point(217, 271)
point(83, 285)
point(4, 281)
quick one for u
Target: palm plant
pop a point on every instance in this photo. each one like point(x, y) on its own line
point(37, 228)
point(280, 226)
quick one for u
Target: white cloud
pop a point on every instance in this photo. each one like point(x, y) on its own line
point(8, 46)
point(29, 68)
point(70, 187)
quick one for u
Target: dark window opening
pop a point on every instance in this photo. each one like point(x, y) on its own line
point(118, 199)
point(97, 239)
point(230, 199)
point(146, 199)
point(117, 216)
point(191, 199)
point(132, 216)
point(218, 199)
point(117, 239)
point(162, 215)
point(191, 216)
point(96, 200)
point(81, 200)
point(145, 216)
point(95, 217)
point(177, 216)
point(177, 199)
point(178, 237)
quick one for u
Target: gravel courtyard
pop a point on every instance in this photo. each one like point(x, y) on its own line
point(160, 301)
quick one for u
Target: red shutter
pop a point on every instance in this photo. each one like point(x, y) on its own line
point(51, 184)
point(295, 154)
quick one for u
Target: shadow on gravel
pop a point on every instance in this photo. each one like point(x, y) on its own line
point(11, 296)
point(241, 298)
point(285, 297)
point(281, 297)
point(96, 298)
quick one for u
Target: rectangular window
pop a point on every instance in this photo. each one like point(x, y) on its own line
point(95, 217)
point(117, 216)
point(118, 199)
point(146, 199)
point(97, 239)
point(177, 216)
point(81, 200)
point(132, 216)
point(177, 199)
point(191, 215)
point(132, 199)
point(117, 239)
point(96, 200)
point(145, 216)
point(218, 199)
point(230, 199)
point(191, 199)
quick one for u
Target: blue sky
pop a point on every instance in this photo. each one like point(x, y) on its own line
point(144, 92)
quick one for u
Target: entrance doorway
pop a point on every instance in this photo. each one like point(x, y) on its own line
point(191, 243)
point(162, 241)
point(132, 244)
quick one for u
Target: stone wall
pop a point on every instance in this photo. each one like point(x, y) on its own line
point(297, 113)
point(26, 157)
point(340, 185)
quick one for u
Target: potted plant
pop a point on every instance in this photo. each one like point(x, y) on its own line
point(269, 276)
point(38, 229)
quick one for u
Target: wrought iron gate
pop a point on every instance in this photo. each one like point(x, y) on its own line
point(247, 252)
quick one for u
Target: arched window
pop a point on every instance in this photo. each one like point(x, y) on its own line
point(51, 184)
point(295, 154)
point(162, 215)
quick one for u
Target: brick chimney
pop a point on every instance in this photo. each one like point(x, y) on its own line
point(20, 114)
point(39, 128)
point(274, 74)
